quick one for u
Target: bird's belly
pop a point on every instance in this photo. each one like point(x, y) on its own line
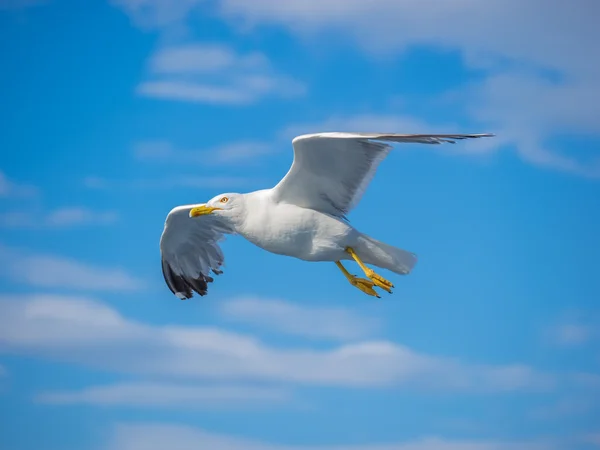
point(302, 233)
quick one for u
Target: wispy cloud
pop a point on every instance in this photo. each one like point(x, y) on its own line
point(23, 267)
point(91, 333)
point(505, 101)
point(3, 371)
point(204, 58)
point(232, 153)
point(574, 329)
point(158, 436)
point(533, 86)
point(572, 334)
point(11, 189)
point(545, 37)
point(537, 84)
point(165, 395)
point(150, 14)
point(59, 218)
point(591, 438)
point(308, 321)
point(214, 73)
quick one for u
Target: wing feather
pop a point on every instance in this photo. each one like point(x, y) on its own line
point(331, 171)
point(190, 251)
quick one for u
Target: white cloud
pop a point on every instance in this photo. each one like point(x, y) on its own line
point(529, 112)
point(539, 81)
point(545, 37)
point(65, 217)
point(516, 98)
point(592, 438)
point(90, 333)
point(289, 318)
point(203, 59)
point(195, 92)
point(55, 271)
point(163, 395)
point(572, 334)
point(232, 153)
point(574, 329)
point(11, 189)
point(214, 73)
point(159, 436)
point(59, 218)
point(157, 13)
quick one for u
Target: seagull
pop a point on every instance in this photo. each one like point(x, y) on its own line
point(304, 216)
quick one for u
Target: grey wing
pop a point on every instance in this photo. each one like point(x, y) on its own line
point(331, 171)
point(190, 251)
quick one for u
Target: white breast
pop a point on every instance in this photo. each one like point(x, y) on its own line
point(293, 231)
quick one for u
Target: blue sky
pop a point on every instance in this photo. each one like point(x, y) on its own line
point(115, 112)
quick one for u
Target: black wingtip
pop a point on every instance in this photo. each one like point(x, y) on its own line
point(184, 287)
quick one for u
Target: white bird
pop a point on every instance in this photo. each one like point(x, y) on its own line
point(303, 216)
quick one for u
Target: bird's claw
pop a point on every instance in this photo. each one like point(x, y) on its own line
point(379, 281)
point(364, 285)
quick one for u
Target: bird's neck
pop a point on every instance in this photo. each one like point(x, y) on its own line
point(253, 202)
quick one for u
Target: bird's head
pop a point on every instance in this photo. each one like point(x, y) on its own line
point(226, 206)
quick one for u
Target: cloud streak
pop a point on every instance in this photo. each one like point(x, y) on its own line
point(59, 218)
point(51, 271)
point(572, 334)
point(575, 329)
point(152, 14)
point(227, 154)
point(11, 189)
point(311, 322)
point(165, 395)
point(158, 436)
point(216, 74)
point(539, 37)
point(87, 332)
point(538, 84)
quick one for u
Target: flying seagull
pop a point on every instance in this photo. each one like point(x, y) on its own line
point(303, 216)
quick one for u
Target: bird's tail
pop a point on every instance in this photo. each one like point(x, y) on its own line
point(376, 253)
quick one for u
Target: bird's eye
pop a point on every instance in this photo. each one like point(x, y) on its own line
point(224, 200)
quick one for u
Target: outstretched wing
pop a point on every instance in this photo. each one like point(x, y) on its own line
point(190, 251)
point(331, 171)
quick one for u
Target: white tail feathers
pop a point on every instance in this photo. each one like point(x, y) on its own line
point(376, 253)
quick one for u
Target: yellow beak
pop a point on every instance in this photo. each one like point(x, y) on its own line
point(202, 210)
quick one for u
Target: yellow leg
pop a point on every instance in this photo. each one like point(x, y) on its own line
point(361, 283)
point(378, 280)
